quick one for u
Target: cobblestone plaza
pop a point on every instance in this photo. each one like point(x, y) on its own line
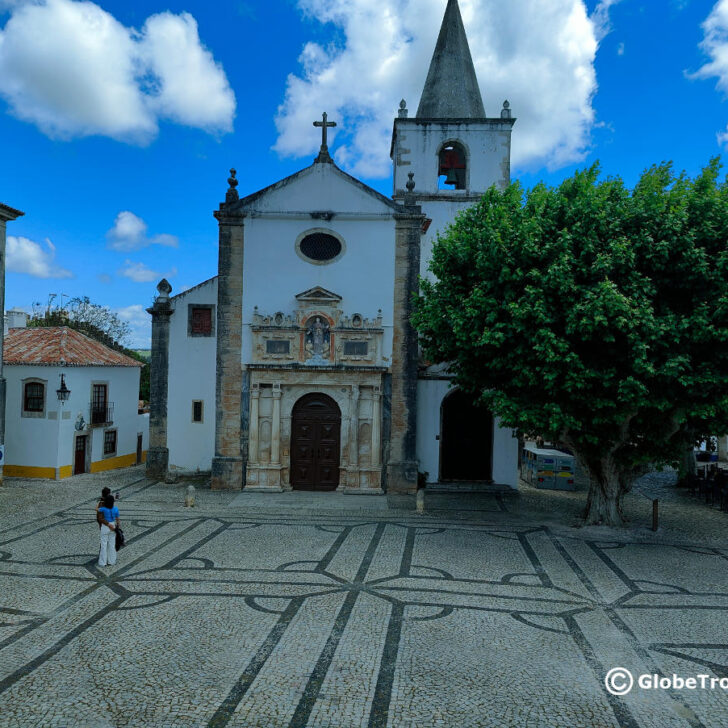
point(241, 613)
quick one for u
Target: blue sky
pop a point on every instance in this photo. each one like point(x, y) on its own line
point(119, 120)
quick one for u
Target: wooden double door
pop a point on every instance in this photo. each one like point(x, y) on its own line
point(315, 443)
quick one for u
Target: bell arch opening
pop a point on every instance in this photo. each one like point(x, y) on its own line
point(452, 167)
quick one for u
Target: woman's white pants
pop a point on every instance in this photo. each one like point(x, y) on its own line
point(107, 554)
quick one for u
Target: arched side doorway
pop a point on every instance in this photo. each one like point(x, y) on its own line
point(466, 439)
point(315, 443)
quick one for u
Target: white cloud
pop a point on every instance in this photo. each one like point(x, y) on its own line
point(715, 46)
point(73, 70)
point(27, 256)
point(620, 49)
point(600, 18)
point(140, 273)
point(130, 233)
point(539, 56)
point(140, 322)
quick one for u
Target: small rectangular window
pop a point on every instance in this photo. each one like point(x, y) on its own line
point(356, 348)
point(201, 321)
point(277, 346)
point(34, 395)
point(197, 410)
point(109, 442)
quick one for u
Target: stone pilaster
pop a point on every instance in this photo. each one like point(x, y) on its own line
point(354, 424)
point(402, 465)
point(6, 214)
point(158, 454)
point(275, 435)
point(227, 464)
point(254, 423)
point(376, 427)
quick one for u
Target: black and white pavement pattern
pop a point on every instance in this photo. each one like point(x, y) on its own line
point(229, 615)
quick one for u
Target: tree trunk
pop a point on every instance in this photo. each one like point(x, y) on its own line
point(604, 503)
point(687, 465)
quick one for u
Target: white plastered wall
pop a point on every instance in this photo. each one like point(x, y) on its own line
point(417, 146)
point(192, 370)
point(274, 273)
point(48, 441)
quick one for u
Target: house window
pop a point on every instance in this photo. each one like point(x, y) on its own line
point(110, 442)
point(276, 346)
point(197, 410)
point(356, 348)
point(101, 410)
point(33, 397)
point(201, 320)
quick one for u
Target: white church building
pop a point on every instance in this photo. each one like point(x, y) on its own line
point(297, 367)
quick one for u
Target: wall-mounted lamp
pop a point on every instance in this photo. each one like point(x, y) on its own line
point(63, 392)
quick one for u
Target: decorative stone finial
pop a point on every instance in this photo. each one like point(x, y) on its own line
point(232, 194)
point(403, 113)
point(506, 110)
point(411, 182)
point(163, 289)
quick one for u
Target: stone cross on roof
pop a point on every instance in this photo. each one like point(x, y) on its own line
point(325, 125)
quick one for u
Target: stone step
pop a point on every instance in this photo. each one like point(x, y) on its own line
point(465, 487)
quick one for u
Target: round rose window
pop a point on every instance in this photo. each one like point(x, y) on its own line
point(320, 247)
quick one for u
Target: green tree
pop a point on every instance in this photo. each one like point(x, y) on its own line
point(593, 315)
point(97, 321)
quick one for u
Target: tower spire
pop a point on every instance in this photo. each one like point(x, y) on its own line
point(451, 89)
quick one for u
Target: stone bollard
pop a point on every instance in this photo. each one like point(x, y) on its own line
point(190, 497)
point(421, 500)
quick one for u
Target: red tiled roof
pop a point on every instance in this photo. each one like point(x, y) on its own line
point(60, 345)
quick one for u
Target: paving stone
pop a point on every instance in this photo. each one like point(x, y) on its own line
point(286, 612)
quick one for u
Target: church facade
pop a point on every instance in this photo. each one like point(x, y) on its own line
point(296, 367)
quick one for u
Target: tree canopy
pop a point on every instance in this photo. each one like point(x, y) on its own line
point(591, 314)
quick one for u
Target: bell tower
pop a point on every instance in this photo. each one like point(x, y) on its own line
point(455, 151)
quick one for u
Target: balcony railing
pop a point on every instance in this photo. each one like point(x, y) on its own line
point(102, 414)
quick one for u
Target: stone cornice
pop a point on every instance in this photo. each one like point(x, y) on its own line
point(297, 367)
point(8, 213)
point(225, 216)
point(160, 309)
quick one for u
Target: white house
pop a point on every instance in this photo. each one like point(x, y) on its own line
point(297, 365)
point(71, 404)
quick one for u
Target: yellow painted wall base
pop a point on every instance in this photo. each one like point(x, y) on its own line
point(121, 461)
point(28, 471)
point(66, 471)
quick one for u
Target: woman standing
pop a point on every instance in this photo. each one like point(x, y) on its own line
point(109, 521)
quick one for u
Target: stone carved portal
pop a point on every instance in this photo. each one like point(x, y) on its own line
point(278, 400)
point(315, 443)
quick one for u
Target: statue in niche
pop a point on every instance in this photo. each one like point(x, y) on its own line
point(317, 340)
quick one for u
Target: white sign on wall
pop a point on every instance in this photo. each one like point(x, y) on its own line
point(2, 454)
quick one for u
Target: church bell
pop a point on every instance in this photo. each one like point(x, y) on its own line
point(452, 178)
